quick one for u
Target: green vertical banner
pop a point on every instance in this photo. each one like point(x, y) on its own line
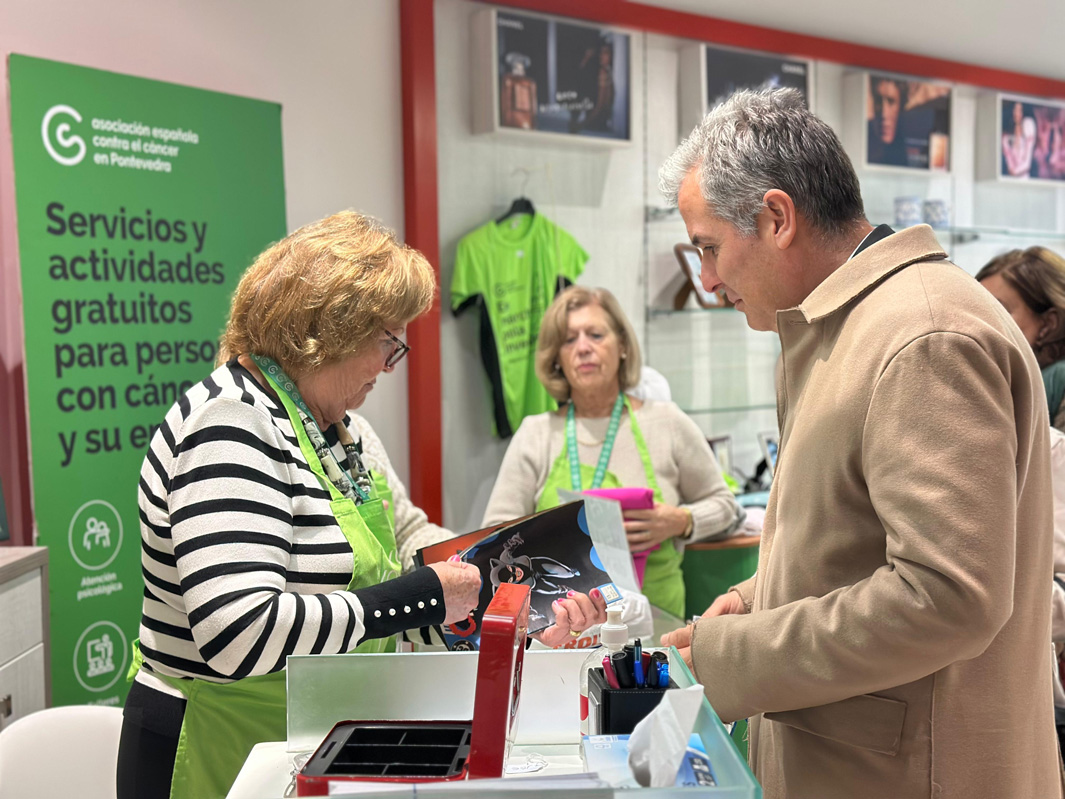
point(140, 204)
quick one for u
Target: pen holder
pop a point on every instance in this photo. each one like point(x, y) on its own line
point(617, 711)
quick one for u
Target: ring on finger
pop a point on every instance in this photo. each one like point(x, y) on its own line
point(575, 633)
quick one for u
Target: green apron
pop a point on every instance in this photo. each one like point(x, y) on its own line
point(663, 581)
point(223, 721)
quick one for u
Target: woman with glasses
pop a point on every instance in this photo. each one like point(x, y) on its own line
point(264, 533)
point(1030, 284)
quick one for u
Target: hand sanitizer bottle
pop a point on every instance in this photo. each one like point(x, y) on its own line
point(613, 635)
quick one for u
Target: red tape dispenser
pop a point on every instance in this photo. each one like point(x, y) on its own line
point(433, 751)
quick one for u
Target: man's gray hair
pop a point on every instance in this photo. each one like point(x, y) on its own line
point(761, 140)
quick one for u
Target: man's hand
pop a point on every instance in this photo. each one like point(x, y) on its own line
point(726, 604)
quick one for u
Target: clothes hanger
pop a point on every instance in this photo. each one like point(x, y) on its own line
point(521, 205)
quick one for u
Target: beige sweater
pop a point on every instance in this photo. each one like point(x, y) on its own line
point(684, 466)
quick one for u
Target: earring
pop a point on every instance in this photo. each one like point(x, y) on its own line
point(624, 355)
point(557, 367)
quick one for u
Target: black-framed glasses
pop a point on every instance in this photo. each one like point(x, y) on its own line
point(399, 350)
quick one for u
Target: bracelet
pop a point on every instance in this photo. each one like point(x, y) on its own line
point(691, 523)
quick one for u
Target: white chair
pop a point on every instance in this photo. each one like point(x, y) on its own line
point(61, 752)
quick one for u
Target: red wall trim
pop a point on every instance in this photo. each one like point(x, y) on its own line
point(422, 231)
point(420, 154)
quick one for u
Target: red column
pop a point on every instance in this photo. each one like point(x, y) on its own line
point(421, 230)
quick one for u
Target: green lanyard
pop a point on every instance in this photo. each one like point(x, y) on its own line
point(356, 489)
point(608, 444)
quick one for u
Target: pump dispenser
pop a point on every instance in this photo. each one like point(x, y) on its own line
point(613, 635)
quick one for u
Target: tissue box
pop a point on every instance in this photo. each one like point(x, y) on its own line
point(431, 751)
point(609, 755)
point(617, 711)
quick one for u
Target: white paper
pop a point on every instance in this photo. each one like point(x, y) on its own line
point(657, 745)
point(607, 528)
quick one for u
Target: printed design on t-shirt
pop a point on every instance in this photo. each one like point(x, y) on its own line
point(513, 271)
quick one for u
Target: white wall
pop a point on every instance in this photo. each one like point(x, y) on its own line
point(600, 196)
point(332, 64)
point(595, 193)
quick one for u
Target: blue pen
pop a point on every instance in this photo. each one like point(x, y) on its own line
point(637, 666)
point(663, 674)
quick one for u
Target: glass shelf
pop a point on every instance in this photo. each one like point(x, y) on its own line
point(655, 213)
point(654, 313)
point(962, 235)
point(737, 409)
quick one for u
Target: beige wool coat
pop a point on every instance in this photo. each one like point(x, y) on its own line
point(896, 640)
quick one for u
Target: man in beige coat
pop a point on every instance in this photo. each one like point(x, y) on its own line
point(893, 643)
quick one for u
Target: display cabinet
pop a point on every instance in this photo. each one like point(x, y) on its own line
point(24, 649)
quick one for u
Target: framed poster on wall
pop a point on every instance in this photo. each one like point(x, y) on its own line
point(540, 75)
point(710, 74)
point(903, 123)
point(1029, 143)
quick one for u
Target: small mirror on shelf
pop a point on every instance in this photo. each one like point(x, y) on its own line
point(691, 263)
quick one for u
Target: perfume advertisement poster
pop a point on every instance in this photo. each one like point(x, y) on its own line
point(557, 77)
point(907, 123)
point(1032, 145)
point(728, 71)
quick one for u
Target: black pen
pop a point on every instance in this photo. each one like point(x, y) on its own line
point(622, 670)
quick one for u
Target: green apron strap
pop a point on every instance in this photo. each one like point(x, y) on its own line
point(384, 491)
point(303, 420)
point(645, 453)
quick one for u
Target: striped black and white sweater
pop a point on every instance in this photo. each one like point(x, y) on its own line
point(242, 559)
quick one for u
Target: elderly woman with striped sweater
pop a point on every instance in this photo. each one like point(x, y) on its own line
point(264, 534)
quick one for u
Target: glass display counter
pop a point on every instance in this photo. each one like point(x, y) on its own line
point(424, 686)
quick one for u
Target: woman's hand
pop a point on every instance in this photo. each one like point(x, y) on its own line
point(647, 529)
point(461, 582)
point(575, 613)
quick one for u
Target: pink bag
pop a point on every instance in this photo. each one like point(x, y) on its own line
point(630, 499)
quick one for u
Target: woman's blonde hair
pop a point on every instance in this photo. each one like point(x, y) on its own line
point(553, 330)
point(324, 292)
point(1038, 275)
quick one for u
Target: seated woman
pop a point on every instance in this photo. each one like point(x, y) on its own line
point(262, 531)
point(587, 357)
point(1030, 284)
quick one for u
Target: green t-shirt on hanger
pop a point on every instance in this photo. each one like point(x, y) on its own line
point(512, 271)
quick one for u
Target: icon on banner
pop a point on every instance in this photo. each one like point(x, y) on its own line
point(63, 137)
point(95, 534)
point(100, 656)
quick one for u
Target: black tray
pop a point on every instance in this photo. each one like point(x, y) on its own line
point(402, 749)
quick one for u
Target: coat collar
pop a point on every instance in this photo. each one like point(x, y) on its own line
point(869, 267)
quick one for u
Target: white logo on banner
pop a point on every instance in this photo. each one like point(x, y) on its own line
point(95, 534)
point(63, 136)
point(100, 656)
